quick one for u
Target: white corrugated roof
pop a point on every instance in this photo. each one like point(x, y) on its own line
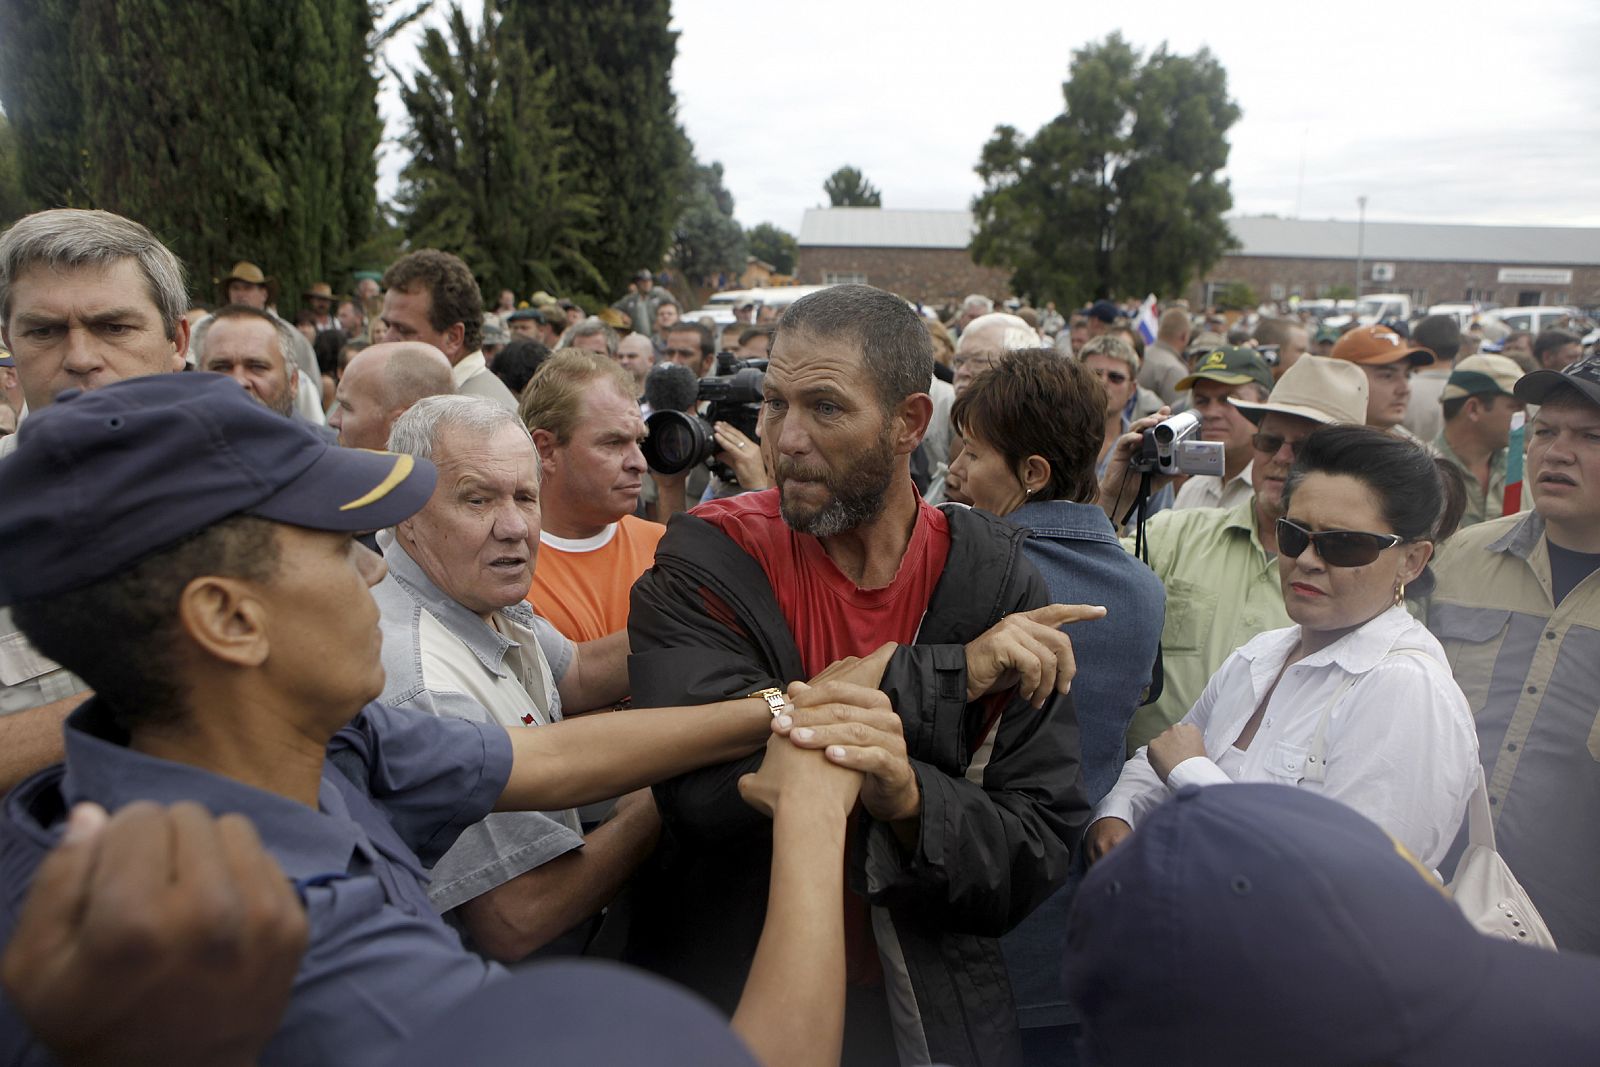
point(1564, 246)
point(871, 227)
point(875, 227)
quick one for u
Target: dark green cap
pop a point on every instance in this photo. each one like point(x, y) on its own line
point(1231, 365)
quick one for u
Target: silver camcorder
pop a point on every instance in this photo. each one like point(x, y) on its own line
point(1173, 446)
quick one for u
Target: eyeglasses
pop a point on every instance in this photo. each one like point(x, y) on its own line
point(1337, 548)
point(1269, 443)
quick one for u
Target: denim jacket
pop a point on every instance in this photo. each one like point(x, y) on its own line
point(1076, 550)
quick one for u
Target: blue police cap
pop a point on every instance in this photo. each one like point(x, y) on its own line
point(100, 480)
point(1261, 924)
point(579, 1013)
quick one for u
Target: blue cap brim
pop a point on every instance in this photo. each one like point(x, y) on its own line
point(352, 490)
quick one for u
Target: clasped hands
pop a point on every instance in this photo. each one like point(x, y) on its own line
point(841, 714)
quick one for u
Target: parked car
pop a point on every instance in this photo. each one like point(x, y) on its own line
point(1375, 307)
point(1534, 319)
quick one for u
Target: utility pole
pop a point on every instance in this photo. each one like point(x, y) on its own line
point(1361, 245)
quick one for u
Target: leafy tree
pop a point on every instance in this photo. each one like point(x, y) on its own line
point(254, 141)
point(1119, 193)
point(611, 85)
point(489, 177)
point(1236, 296)
point(707, 241)
point(14, 203)
point(773, 245)
point(42, 99)
point(848, 187)
point(1339, 292)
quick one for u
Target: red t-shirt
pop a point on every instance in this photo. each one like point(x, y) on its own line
point(828, 614)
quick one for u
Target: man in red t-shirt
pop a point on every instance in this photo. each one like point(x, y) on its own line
point(971, 789)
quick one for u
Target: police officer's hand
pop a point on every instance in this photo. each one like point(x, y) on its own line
point(855, 727)
point(159, 935)
point(1103, 836)
point(1029, 651)
point(791, 775)
point(1118, 484)
point(1173, 745)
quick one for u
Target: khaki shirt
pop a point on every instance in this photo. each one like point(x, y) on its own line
point(1222, 590)
point(1531, 674)
point(1482, 503)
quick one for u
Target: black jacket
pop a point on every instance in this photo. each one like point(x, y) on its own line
point(1000, 802)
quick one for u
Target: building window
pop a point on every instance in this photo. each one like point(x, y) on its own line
point(844, 277)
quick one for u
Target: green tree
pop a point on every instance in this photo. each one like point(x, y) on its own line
point(1119, 194)
point(43, 102)
point(773, 245)
point(255, 140)
point(611, 65)
point(14, 203)
point(1236, 296)
point(848, 187)
point(489, 178)
point(707, 241)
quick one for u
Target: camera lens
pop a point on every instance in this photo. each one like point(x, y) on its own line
point(677, 441)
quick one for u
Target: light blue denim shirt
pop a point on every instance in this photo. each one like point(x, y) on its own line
point(1076, 550)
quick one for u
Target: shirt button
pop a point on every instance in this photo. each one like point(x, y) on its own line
point(1533, 689)
point(1550, 634)
point(1512, 747)
point(1494, 800)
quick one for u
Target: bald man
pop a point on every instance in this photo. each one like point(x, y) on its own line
point(380, 384)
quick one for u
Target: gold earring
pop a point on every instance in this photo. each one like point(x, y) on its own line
point(1399, 593)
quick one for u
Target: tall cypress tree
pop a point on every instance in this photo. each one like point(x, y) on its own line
point(488, 176)
point(612, 85)
point(233, 130)
point(42, 101)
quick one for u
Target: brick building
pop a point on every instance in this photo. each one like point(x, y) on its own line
point(921, 255)
point(1431, 263)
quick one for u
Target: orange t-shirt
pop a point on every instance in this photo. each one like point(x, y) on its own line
point(582, 586)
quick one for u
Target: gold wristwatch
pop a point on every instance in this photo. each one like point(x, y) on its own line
point(777, 701)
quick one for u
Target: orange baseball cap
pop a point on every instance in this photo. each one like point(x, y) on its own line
point(1373, 345)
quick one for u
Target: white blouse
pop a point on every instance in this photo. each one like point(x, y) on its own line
point(1401, 745)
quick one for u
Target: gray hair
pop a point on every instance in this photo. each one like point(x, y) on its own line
point(66, 238)
point(1112, 346)
point(285, 333)
point(417, 432)
point(979, 303)
point(588, 327)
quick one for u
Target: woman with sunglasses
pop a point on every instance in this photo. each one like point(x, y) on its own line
point(1354, 701)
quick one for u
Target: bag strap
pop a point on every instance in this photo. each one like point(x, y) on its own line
point(1316, 756)
point(1480, 821)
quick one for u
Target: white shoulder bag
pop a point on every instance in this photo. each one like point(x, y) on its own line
point(1484, 888)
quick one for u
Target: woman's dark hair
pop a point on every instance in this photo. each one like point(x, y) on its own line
point(1037, 402)
point(1421, 496)
point(327, 345)
point(515, 363)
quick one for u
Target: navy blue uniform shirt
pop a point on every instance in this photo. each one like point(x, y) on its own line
point(396, 791)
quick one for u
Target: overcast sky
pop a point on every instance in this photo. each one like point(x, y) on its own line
point(1435, 110)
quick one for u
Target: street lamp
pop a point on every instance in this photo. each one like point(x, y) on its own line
point(1361, 244)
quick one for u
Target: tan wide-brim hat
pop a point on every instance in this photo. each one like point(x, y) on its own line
point(1318, 388)
point(244, 271)
point(318, 289)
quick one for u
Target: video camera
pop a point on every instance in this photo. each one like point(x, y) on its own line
point(680, 437)
point(1173, 446)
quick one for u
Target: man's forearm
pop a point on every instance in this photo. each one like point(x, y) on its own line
point(598, 677)
point(579, 761)
point(792, 1011)
point(31, 740)
point(525, 914)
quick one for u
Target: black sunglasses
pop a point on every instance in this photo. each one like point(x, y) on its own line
point(1269, 443)
point(1337, 548)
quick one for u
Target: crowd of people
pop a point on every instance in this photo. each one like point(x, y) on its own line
point(366, 691)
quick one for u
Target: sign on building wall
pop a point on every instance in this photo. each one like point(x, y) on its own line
point(1535, 276)
point(1383, 272)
